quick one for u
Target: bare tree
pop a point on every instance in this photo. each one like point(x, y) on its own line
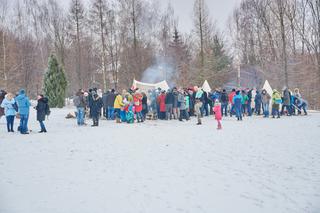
point(76, 24)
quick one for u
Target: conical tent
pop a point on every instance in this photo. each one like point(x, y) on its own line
point(267, 87)
point(206, 87)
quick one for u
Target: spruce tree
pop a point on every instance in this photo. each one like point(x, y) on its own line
point(55, 83)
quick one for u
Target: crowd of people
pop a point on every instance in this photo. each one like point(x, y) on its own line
point(181, 104)
point(134, 105)
point(19, 106)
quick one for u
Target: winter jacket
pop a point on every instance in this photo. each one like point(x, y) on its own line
point(118, 102)
point(265, 98)
point(258, 98)
point(286, 97)
point(245, 99)
point(187, 99)
point(42, 109)
point(224, 98)
point(137, 100)
point(2, 95)
point(199, 94)
point(162, 102)
point(169, 98)
point(231, 96)
point(182, 101)
point(79, 101)
point(104, 99)
point(237, 101)
point(175, 99)
point(276, 97)
point(8, 107)
point(110, 99)
point(217, 111)
point(95, 106)
point(23, 103)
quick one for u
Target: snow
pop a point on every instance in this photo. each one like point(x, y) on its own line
point(258, 165)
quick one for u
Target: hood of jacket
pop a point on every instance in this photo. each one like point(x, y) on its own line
point(43, 100)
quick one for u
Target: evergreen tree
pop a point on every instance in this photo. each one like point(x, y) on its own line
point(55, 83)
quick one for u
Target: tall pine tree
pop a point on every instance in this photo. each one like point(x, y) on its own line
point(55, 83)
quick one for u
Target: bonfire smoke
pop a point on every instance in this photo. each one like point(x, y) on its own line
point(162, 69)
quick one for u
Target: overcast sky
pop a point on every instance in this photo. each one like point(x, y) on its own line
point(219, 10)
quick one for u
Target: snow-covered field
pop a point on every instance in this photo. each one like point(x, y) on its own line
point(255, 166)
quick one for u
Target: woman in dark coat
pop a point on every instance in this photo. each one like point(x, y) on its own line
point(42, 110)
point(2, 95)
point(95, 109)
point(144, 105)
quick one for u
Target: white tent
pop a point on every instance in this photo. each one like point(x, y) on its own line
point(145, 87)
point(267, 87)
point(206, 87)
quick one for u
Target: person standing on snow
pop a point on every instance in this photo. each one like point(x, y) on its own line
point(80, 103)
point(231, 96)
point(137, 100)
point(95, 109)
point(218, 113)
point(144, 106)
point(286, 99)
point(182, 105)
point(42, 110)
point(8, 104)
point(257, 103)
point(23, 109)
point(162, 105)
point(276, 101)
point(224, 103)
point(198, 104)
point(169, 105)
point(110, 104)
point(238, 103)
point(118, 104)
point(244, 103)
point(265, 98)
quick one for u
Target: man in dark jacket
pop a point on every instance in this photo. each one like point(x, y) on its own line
point(286, 100)
point(95, 108)
point(169, 105)
point(104, 101)
point(224, 103)
point(257, 103)
point(42, 110)
point(110, 104)
point(2, 95)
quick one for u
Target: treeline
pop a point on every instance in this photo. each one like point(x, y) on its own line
point(281, 39)
point(105, 43)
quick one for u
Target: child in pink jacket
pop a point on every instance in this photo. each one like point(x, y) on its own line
point(217, 113)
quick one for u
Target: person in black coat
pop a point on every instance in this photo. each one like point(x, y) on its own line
point(95, 109)
point(224, 103)
point(110, 104)
point(258, 103)
point(145, 109)
point(42, 110)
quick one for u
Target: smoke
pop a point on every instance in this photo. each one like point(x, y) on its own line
point(162, 69)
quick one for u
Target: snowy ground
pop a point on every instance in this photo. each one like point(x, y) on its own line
point(255, 166)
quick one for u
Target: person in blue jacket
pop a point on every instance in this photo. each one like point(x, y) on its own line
point(23, 109)
point(237, 101)
point(9, 110)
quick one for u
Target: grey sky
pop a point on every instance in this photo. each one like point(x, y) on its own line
point(219, 10)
